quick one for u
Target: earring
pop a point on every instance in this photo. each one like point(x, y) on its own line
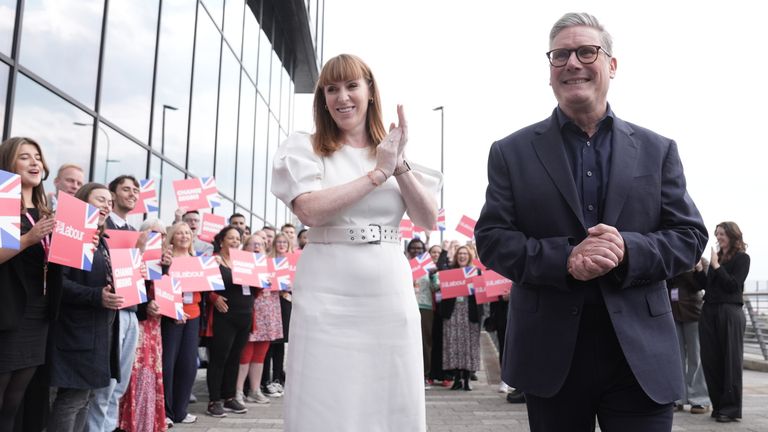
point(370, 101)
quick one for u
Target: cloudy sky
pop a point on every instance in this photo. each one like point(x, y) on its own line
point(691, 72)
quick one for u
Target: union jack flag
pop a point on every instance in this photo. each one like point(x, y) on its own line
point(91, 222)
point(470, 272)
point(148, 196)
point(212, 273)
point(178, 305)
point(209, 190)
point(153, 249)
point(282, 278)
point(425, 261)
point(154, 270)
point(441, 219)
point(10, 203)
point(262, 269)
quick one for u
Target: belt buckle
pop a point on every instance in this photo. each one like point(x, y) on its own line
point(380, 234)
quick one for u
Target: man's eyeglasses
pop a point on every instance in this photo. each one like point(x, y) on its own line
point(587, 54)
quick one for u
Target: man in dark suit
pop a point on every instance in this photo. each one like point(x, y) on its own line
point(589, 215)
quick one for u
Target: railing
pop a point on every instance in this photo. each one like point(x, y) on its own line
point(756, 312)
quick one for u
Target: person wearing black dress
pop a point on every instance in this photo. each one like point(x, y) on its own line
point(30, 289)
point(722, 322)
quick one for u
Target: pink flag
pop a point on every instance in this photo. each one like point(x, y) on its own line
point(197, 193)
point(121, 239)
point(421, 265)
point(282, 277)
point(496, 284)
point(247, 267)
point(476, 262)
point(210, 225)
point(147, 202)
point(479, 290)
point(197, 273)
point(168, 297)
point(126, 276)
point(10, 210)
point(441, 219)
point(72, 240)
point(455, 282)
point(466, 226)
point(153, 254)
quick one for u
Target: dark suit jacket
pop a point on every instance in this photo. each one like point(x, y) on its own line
point(531, 221)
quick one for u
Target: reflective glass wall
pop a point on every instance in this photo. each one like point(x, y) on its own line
point(163, 89)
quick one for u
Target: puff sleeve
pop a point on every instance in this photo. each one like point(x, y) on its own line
point(296, 169)
point(431, 180)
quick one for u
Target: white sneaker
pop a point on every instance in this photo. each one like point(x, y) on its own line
point(190, 418)
point(257, 397)
point(240, 397)
point(168, 423)
point(274, 389)
point(504, 388)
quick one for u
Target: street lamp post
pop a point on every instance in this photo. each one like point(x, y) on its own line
point(162, 147)
point(106, 135)
point(442, 158)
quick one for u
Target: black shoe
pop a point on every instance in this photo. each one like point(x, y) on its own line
point(216, 409)
point(516, 397)
point(724, 419)
point(232, 405)
point(456, 382)
point(467, 387)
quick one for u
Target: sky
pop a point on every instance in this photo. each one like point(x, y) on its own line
point(689, 71)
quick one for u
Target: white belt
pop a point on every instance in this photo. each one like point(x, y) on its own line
point(373, 234)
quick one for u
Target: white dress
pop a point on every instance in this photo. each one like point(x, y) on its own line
point(354, 361)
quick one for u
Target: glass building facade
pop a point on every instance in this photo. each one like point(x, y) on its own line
point(161, 89)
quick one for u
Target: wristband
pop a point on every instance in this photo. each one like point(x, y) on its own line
point(402, 169)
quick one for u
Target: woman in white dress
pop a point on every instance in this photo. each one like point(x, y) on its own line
point(355, 319)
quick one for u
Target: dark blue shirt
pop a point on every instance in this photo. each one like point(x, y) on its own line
point(590, 160)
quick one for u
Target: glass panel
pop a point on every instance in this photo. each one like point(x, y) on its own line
point(60, 42)
point(251, 44)
point(274, 95)
point(7, 25)
point(204, 97)
point(226, 144)
point(233, 24)
point(271, 211)
point(166, 193)
point(243, 192)
point(174, 65)
point(3, 93)
point(265, 57)
point(129, 58)
point(50, 120)
point(215, 9)
point(226, 208)
point(117, 155)
point(285, 101)
point(260, 168)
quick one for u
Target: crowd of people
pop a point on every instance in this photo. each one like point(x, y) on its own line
point(589, 265)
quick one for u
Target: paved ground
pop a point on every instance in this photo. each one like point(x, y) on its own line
point(481, 410)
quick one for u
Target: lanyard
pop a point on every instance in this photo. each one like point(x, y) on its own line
point(46, 242)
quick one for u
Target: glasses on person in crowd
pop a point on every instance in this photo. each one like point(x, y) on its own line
point(587, 54)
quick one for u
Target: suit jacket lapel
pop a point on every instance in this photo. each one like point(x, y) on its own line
point(623, 164)
point(549, 147)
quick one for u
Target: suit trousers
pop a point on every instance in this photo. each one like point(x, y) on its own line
point(721, 332)
point(230, 334)
point(427, 317)
point(179, 364)
point(599, 384)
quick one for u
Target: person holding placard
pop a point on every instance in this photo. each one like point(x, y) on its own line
point(461, 329)
point(180, 337)
point(267, 326)
point(31, 290)
point(85, 354)
point(273, 377)
point(231, 324)
point(355, 318)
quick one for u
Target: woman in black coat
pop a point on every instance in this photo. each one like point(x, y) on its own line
point(84, 352)
point(722, 322)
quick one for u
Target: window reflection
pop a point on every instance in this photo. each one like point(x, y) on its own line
point(164, 184)
point(251, 44)
point(274, 96)
point(265, 65)
point(261, 169)
point(204, 96)
point(215, 9)
point(226, 208)
point(233, 24)
point(7, 22)
point(226, 144)
point(117, 155)
point(3, 86)
point(129, 58)
point(286, 102)
point(60, 43)
point(174, 64)
point(272, 148)
point(50, 120)
point(245, 142)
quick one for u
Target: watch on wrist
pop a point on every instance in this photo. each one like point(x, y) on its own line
point(402, 168)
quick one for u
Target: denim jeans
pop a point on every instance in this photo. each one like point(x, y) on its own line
point(103, 410)
point(695, 386)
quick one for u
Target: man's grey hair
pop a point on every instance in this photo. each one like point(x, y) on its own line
point(151, 223)
point(573, 19)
